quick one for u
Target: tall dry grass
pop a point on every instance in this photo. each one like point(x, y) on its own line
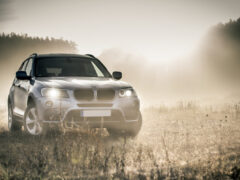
point(185, 141)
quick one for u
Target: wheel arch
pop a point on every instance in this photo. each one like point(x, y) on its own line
point(31, 100)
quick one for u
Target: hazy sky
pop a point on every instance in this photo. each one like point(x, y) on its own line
point(157, 29)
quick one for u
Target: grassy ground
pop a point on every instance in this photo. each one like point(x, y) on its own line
point(181, 142)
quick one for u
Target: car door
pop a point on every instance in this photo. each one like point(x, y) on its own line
point(18, 93)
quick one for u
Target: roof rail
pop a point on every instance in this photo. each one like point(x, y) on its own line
point(90, 55)
point(33, 54)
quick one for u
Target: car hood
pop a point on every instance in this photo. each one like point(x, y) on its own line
point(80, 82)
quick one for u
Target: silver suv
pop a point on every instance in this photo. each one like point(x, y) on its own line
point(71, 91)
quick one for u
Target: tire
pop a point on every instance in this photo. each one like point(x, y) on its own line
point(13, 124)
point(131, 131)
point(32, 125)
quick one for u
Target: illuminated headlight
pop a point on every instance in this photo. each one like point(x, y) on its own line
point(128, 92)
point(54, 93)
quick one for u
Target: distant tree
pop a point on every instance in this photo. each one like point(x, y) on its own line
point(229, 30)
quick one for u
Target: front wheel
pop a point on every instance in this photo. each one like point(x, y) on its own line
point(32, 125)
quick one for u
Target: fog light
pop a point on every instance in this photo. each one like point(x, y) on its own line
point(49, 103)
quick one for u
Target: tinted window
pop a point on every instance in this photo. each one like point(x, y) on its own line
point(83, 67)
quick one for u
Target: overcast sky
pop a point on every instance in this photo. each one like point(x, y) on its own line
point(157, 29)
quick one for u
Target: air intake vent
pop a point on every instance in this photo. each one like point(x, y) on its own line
point(84, 94)
point(105, 94)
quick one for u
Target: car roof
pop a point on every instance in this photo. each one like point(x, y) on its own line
point(63, 55)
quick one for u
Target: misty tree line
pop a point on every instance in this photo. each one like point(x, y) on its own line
point(14, 48)
point(16, 42)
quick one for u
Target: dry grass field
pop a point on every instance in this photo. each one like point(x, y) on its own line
point(180, 142)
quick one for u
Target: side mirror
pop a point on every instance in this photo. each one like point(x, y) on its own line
point(22, 75)
point(117, 75)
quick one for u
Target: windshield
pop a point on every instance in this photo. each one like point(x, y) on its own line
point(65, 66)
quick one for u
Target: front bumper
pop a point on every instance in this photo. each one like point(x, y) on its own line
point(124, 112)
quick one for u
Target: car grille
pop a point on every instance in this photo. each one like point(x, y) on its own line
point(88, 94)
point(105, 94)
point(84, 94)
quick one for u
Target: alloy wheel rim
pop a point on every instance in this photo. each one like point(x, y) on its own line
point(9, 118)
point(32, 124)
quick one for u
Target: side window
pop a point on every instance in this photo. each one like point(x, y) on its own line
point(29, 67)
